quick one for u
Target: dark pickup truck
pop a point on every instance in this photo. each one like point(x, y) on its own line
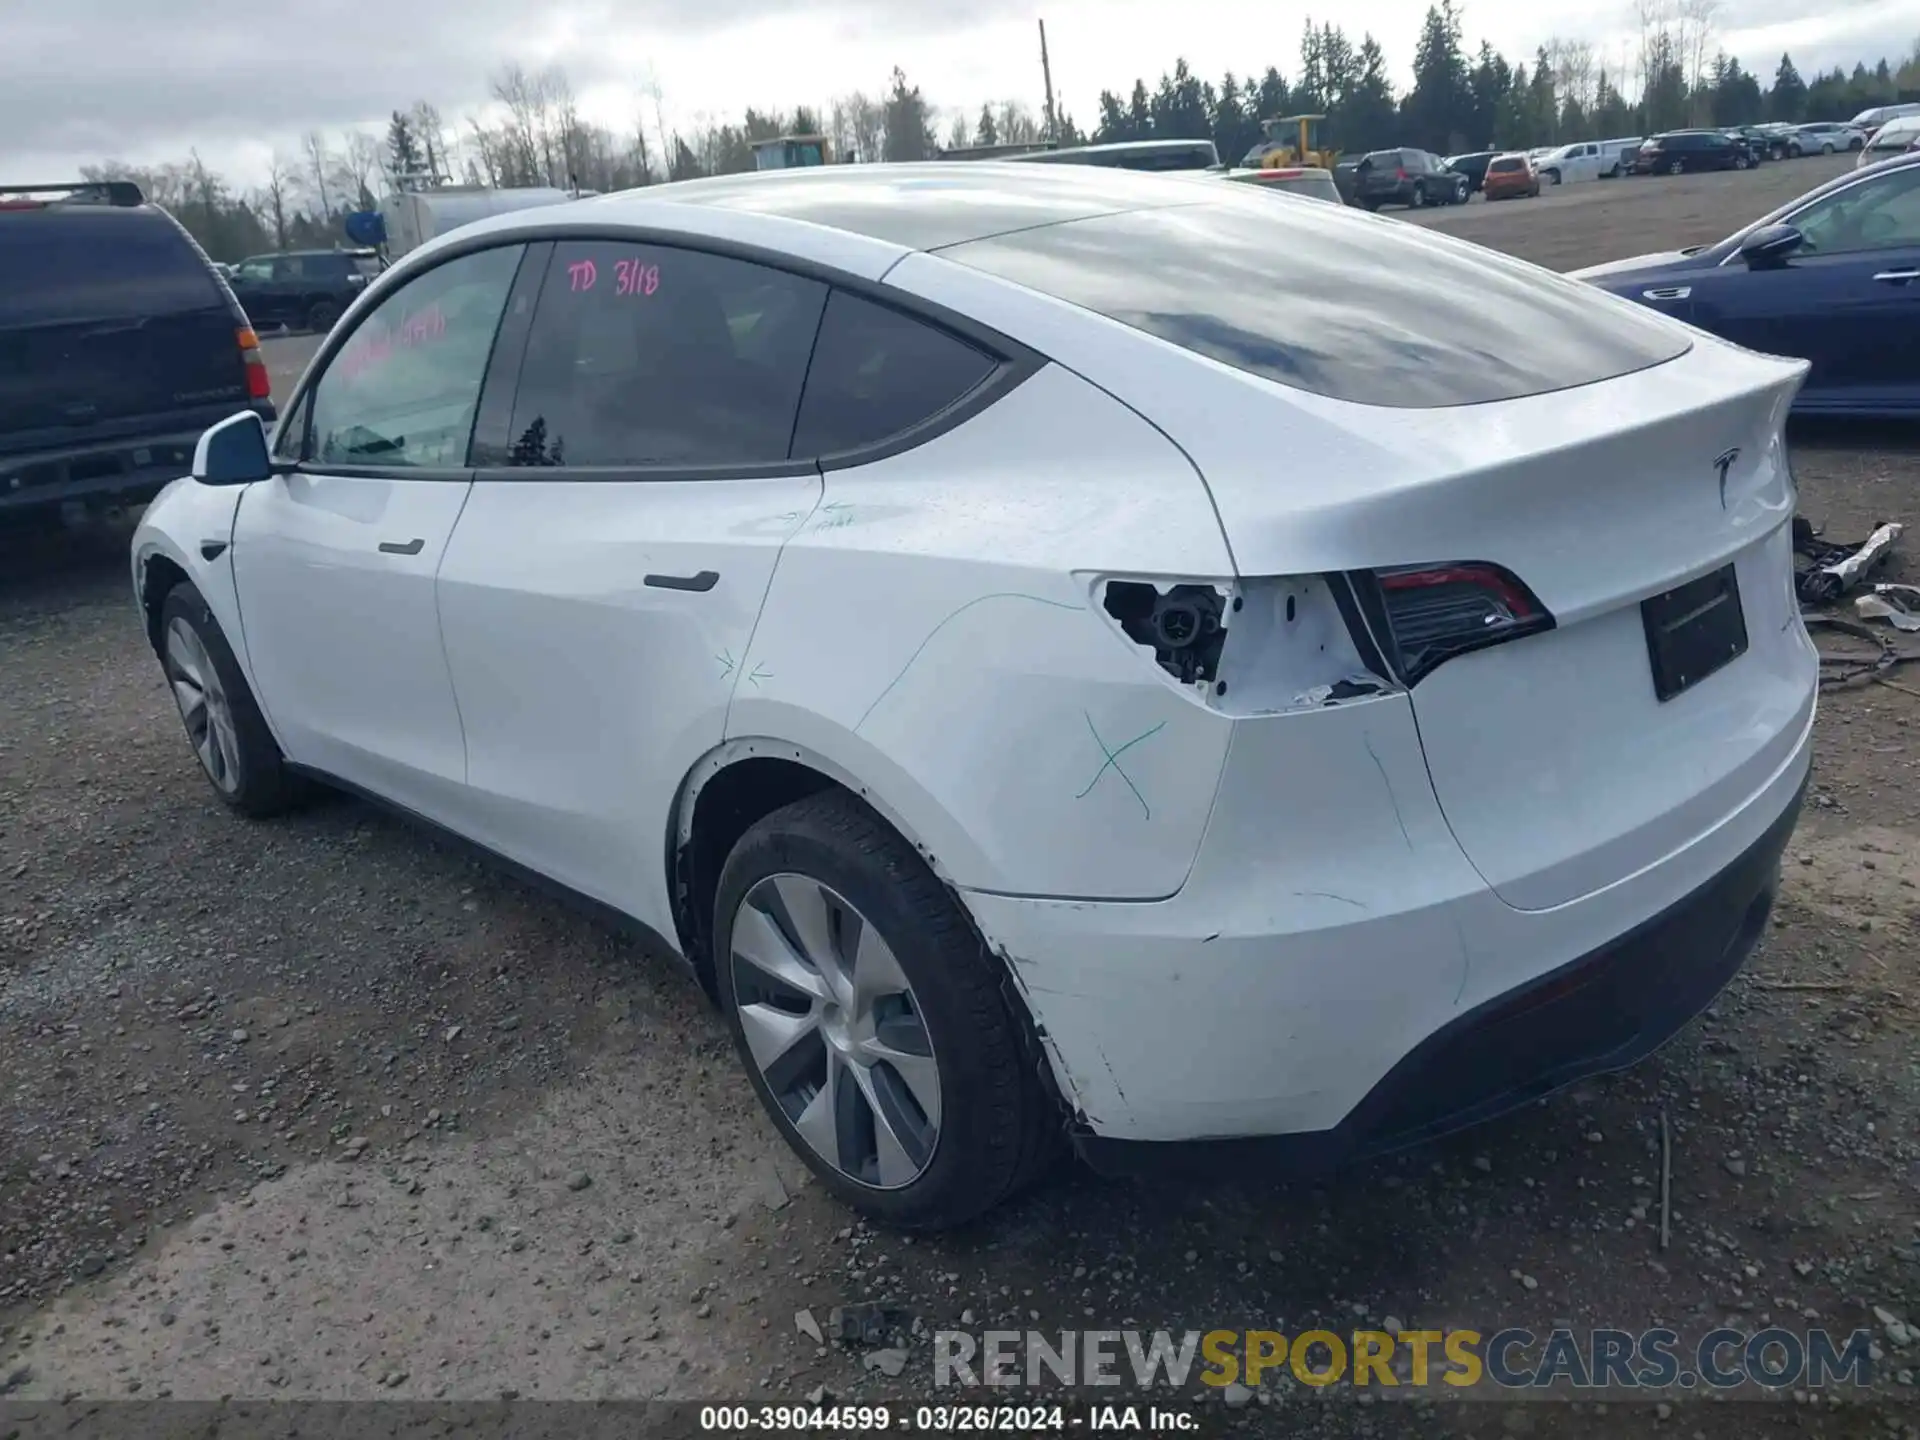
point(119, 343)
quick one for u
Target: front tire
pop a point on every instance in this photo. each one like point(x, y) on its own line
point(875, 1027)
point(1552, 176)
point(1739, 162)
point(1827, 148)
point(321, 316)
point(237, 752)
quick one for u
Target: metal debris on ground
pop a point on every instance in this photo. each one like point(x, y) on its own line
point(1831, 570)
point(1899, 605)
point(1824, 574)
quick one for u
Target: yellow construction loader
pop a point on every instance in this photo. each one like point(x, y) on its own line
point(1292, 140)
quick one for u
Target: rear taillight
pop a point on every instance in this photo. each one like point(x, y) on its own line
point(259, 382)
point(1421, 616)
point(1400, 174)
point(23, 204)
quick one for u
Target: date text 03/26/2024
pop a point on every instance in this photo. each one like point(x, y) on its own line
point(856, 1420)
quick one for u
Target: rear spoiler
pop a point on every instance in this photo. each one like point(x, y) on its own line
point(123, 193)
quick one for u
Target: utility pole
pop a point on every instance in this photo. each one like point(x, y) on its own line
point(1046, 72)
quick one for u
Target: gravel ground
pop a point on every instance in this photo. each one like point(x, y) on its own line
point(325, 1108)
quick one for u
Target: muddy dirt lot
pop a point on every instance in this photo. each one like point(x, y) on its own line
point(323, 1108)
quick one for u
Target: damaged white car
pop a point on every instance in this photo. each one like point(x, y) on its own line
point(1061, 655)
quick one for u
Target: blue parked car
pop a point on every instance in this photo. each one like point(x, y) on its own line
point(1833, 277)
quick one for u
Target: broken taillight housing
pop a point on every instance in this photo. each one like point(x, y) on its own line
point(1420, 616)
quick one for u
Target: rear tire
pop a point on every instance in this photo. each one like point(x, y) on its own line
point(1419, 200)
point(1676, 167)
point(321, 316)
point(1826, 148)
point(237, 752)
point(828, 894)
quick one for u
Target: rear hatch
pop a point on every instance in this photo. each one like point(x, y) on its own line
point(1387, 172)
point(110, 321)
point(1515, 474)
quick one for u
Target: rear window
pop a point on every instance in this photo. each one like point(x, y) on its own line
point(1333, 304)
point(86, 262)
point(1502, 167)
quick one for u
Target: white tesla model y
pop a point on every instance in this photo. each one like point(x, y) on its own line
point(1058, 652)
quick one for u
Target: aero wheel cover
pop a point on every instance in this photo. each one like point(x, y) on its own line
point(835, 1031)
point(204, 708)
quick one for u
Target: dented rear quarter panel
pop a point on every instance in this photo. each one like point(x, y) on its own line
point(934, 628)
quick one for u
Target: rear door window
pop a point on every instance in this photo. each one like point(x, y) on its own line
point(98, 262)
point(652, 356)
point(1357, 312)
point(877, 373)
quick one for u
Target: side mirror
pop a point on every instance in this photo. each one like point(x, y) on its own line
point(234, 452)
point(1770, 245)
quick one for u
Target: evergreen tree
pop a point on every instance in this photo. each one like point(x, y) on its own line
point(1788, 99)
point(1140, 113)
point(1367, 117)
point(1438, 108)
point(403, 151)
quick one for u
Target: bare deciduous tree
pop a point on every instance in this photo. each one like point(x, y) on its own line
point(359, 159)
point(1575, 71)
point(319, 161)
point(277, 196)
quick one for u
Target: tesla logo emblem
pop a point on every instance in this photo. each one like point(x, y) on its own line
point(1723, 462)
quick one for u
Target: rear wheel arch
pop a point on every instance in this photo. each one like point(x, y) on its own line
point(725, 793)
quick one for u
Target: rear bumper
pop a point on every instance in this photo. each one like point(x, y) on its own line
point(1609, 1009)
point(1337, 975)
point(122, 470)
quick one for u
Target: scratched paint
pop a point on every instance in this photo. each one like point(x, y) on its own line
point(957, 612)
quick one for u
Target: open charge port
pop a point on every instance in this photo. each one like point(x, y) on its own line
point(1262, 646)
point(1180, 624)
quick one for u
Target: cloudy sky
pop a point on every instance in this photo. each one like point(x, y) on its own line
point(145, 80)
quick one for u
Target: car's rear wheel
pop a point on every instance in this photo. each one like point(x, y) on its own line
point(876, 1029)
point(236, 751)
point(1675, 167)
point(1826, 147)
point(1419, 199)
point(321, 316)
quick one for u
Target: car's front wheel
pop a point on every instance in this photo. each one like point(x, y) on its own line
point(876, 1028)
point(224, 725)
point(1552, 177)
point(321, 316)
point(1739, 162)
point(1827, 148)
